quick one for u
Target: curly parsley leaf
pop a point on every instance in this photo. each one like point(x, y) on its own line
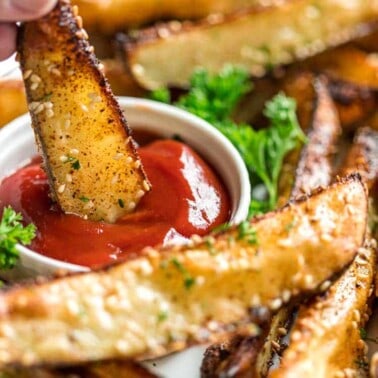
point(214, 97)
point(12, 231)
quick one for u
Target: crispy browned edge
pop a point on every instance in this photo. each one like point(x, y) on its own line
point(251, 356)
point(362, 157)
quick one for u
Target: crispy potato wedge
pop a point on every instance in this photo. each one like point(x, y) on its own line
point(329, 327)
point(163, 301)
point(256, 40)
point(325, 340)
point(315, 164)
point(109, 16)
point(97, 369)
point(91, 162)
point(12, 100)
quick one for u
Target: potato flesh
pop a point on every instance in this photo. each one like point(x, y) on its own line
point(163, 301)
point(93, 168)
point(255, 40)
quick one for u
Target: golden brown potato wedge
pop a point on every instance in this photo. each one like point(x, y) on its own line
point(325, 341)
point(109, 16)
point(315, 164)
point(91, 162)
point(97, 369)
point(329, 327)
point(12, 100)
point(163, 301)
point(256, 40)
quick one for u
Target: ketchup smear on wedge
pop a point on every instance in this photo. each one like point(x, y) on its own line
point(186, 198)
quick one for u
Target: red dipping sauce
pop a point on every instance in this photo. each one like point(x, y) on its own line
point(186, 198)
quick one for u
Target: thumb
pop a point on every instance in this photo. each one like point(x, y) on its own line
point(23, 10)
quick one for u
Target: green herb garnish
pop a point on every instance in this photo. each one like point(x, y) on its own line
point(189, 281)
point(121, 203)
point(162, 316)
point(247, 232)
point(84, 199)
point(75, 163)
point(12, 231)
point(214, 97)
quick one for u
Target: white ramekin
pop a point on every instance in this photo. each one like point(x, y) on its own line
point(17, 146)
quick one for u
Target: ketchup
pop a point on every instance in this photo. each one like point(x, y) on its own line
point(186, 198)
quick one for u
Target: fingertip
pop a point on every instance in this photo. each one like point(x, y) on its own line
point(32, 9)
point(8, 34)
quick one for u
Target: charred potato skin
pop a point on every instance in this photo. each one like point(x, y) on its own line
point(77, 119)
point(325, 340)
point(62, 319)
point(315, 163)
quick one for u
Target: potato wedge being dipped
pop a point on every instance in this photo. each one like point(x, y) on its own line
point(93, 168)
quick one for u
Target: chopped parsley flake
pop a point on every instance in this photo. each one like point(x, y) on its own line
point(247, 232)
point(84, 199)
point(189, 281)
point(121, 203)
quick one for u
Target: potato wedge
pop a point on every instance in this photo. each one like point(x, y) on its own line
point(12, 100)
point(97, 369)
point(110, 16)
point(325, 340)
point(256, 40)
point(92, 165)
point(329, 327)
point(163, 301)
point(315, 164)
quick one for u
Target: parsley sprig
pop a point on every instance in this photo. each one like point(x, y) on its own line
point(214, 97)
point(12, 231)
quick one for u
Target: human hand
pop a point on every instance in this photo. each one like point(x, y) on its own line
point(18, 10)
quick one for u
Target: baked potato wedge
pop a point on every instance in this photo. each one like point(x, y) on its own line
point(329, 327)
point(90, 159)
point(256, 40)
point(165, 300)
point(109, 16)
point(315, 163)
point(325, 340)
point(12, 100)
